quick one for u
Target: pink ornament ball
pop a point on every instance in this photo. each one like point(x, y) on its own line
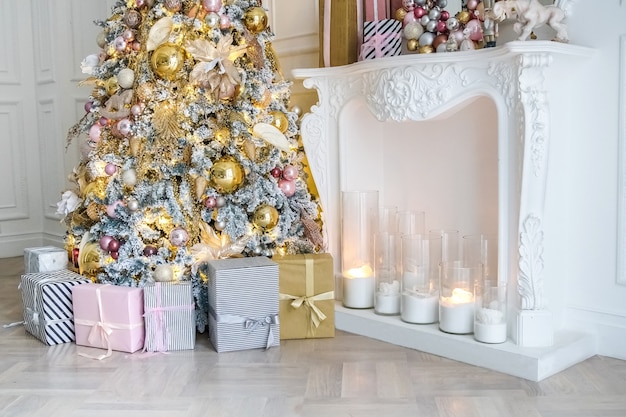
point(445, 15)
point(114, 245)
point(105, 241)
point(128, 35)
point(140, 3)
point(88, 106)
point(441, 26)
point(95, 133)
point(114, 254)
point(408, 5)
point(103, 121)
point(290, 172)
point(124, 126)
point(472, 4)
point(276, 172)
point(409, 18)
point(136, 45)
point(120, 44)
point(210, 202)
point(111, 208)
point(225, 22)
point(110, 169)
point(179, 236)
point(288, 187)
point(212, 5)
point(149, 250)
point(136, 109)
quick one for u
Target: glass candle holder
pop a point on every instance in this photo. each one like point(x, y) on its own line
point(490, 314)
point(420, 300)
point(449, 243)
point(482, 249)
point(387, 273)
point(358, 227)
point(388, 219)
point(456, 297)
point(411, 222)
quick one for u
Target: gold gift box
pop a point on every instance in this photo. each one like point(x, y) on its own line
point(307, 298)
point(344, 32)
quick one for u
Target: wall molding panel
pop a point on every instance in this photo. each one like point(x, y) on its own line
point(14, 187)
point(9, 53)
point(43, 20)
point(621, 210)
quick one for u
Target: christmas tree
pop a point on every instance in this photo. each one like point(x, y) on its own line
point(190, 151)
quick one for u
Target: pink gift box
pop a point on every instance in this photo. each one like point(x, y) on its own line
point(109, 317)
point(373, 6)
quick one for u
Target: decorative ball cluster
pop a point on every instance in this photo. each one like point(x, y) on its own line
point(428, 27)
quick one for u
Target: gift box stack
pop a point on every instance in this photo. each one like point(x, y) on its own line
point(352, 30)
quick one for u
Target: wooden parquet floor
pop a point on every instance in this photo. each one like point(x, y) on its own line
point(340, 377)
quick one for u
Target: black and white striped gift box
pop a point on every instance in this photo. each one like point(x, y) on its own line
point(243, 303)
point(381, 38)
point(169, 314)
point(47, 298)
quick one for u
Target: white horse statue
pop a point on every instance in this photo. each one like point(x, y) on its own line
point(531, 14)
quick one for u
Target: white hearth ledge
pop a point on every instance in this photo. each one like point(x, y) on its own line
point(534, 364)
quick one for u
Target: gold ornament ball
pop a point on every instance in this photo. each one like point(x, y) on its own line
point(412, 44)
point(426, 49)
point(255, 19)
point(280, 121)
point(227, 175)
point(401, 14)
point(265, 217)
point(167, 60)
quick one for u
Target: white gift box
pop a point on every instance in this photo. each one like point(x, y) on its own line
point(48, 309)
point(243, 303)
point(44, 259)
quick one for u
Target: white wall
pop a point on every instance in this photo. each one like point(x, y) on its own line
point(43, 41)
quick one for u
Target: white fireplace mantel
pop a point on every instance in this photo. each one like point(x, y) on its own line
point(425, 86)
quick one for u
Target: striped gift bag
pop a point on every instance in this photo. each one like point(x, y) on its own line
point(47, 298)
point(169, 314)
point(243, 303)
point(381, 38)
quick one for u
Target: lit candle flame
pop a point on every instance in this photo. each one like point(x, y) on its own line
point(363, 272)
point(460, 296)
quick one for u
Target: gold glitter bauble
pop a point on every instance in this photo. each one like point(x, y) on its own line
point(111, 86)
point(227, 175)
point(412, 44)
point(255, 19)
point(280, 121)
point(426, 49)
point(265, 217)
point(167, 60)
point(463, 16)
point(94, 211)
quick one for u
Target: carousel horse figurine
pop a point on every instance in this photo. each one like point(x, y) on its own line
point(531, 14)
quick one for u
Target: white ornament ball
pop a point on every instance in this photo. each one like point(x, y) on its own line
point(129, 177)
point(426, 39)
point(413, 30)
point(126, 78)
point(132, 204)
point(163, 273)
point(101, 39)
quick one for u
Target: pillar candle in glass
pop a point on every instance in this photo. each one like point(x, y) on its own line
point(456, 297)
point(490, 315)
point(358, 226)
point(387, 273)
point(420, 300)
point(388, 219)
point(449, 244)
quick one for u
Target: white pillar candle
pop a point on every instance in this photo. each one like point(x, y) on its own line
point(358, 292)
point(489, 326)
point(388, 298)
point(419, 308)
point(456, 313)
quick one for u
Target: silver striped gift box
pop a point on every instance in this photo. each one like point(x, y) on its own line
point(243, 303)
point(169, 313)
point(47, 298)
point(381, 38)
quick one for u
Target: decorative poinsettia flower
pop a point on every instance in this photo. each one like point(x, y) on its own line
point(69, 202)
point(215, 60)
point(89, 64)
point(213, 246)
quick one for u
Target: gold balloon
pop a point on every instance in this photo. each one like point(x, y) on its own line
point(280, 121)
point(265, 217)
point(167, 60)
point(227, 175)
point(463, 16)
point(412, 44)
point(255, 19)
